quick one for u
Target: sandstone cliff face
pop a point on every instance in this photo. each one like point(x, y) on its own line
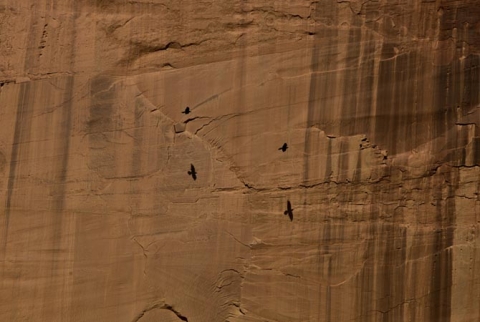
point(377, 100)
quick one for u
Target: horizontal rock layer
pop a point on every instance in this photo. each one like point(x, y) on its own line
point(378, 102)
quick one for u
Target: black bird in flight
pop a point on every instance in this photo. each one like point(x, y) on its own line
point(192, 172)
point(284, 147)
point(289, 210)
point(187, 110)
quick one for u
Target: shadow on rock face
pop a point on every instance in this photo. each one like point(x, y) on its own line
point(124, 139)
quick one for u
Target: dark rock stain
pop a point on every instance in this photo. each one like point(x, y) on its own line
point(320, 83)
point(61, 166)
point(392, 278)
point(351, 79)
point(22, 129)
point(343, 161)
point(137, 142)
point(328, 165)
point(357, 175)
point(101, 120)
point(441, 270)
point(101, 110)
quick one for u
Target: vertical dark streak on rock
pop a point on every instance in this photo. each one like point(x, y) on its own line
point(365, 103)
point(314, 94)
point(391, 106)
point(20, 126)
point(399, 275)
point(452, 89)
point(412, 287)
point(312, 98)
point(138, 139)
point(357, 174)
point(441, 283)
point(385, 92)
point(101, 119)
point(352, 75)
point(343, 161)
point(421, 115)
point(61, 169)
point(310, 113)
point(63, 146)
point(60, 216)
point(384, 285)
point(240, 79)
point(400, 111)
point(409, 107)
point(476, 83)
point(328, 165)
point(439, 103)
point(22, 123)
point(320, 84)
point(327, 237)
point(393, 278)
point(472, 82)
point(364, 281)
point(401, 264)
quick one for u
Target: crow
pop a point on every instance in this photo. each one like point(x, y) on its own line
point(187, 110)
point(192, 172)
point(289, 210)
point(284, 147)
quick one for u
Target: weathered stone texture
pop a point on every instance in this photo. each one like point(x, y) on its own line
point(378, 101)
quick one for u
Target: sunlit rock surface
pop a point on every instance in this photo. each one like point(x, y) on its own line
point(377, 100)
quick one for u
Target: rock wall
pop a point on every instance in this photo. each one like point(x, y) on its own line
point(378, 102)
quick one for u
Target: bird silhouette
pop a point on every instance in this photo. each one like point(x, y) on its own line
point(289, 210)
point(284, 147)
point(187, 110)
point(192, 172)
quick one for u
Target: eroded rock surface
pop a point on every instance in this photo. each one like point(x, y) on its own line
point(377, 100)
